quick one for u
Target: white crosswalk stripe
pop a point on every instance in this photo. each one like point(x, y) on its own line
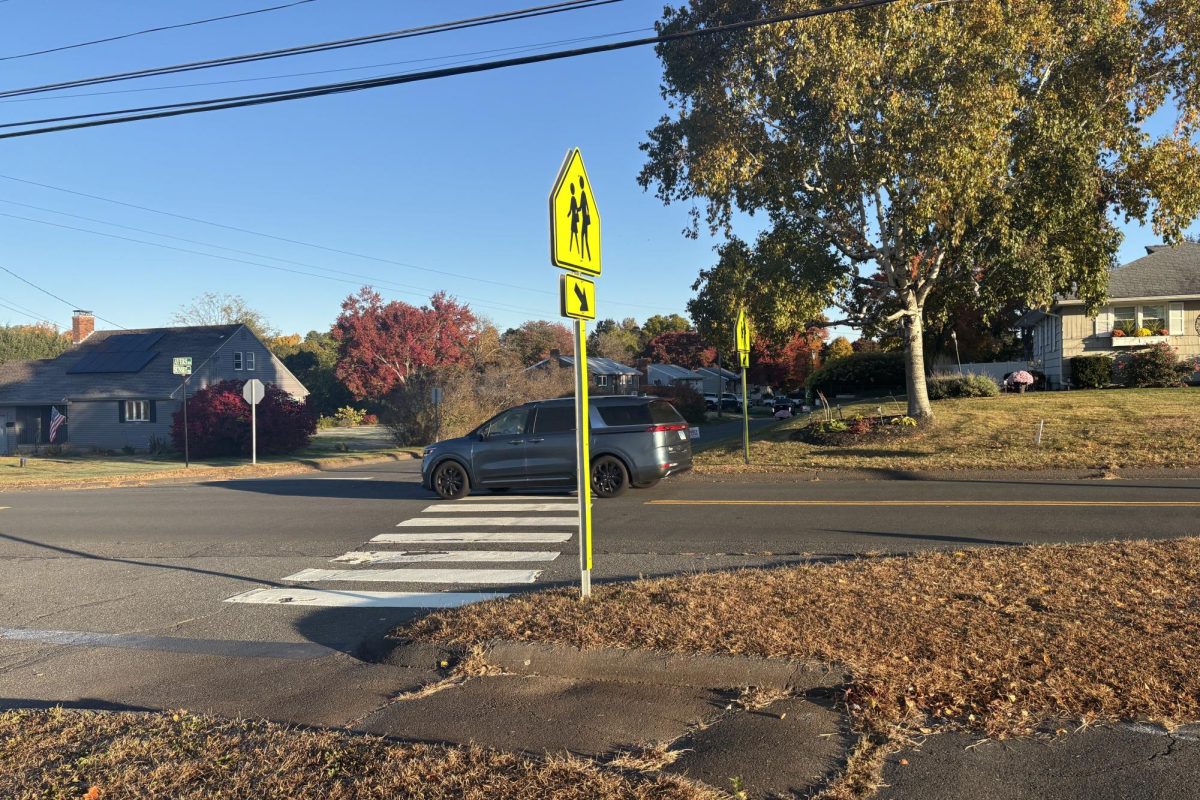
point(492, 576)
point(450, 508)
point(500, 522)
point(413, 556)
point(463, 537)
point(443, 524)
point(330, 598)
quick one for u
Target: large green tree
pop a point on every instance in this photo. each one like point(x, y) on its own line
point(988, 145)
point(19, 342)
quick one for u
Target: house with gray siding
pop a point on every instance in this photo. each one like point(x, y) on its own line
point(1154, 299)
point(117, 389)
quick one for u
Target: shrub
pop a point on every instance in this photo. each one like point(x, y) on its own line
point(370, 419)
point(1092, 372)
point(1156, 366)
point(325, 423)
point(942, 387)
point(219, 422)
point(859, 372)
point(348, 417)
point(687, 401)
point(1020, 378)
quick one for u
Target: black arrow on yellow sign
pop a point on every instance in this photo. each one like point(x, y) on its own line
point(577, 297)
point(582, 295)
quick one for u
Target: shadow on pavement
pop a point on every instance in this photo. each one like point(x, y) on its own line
point(348, 489)
point(86, 704)
point(134, 562)
point(930, 537)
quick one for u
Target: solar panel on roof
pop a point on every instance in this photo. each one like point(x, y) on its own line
point(119, 361)
point(130, 342)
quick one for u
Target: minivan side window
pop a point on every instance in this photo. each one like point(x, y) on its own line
point(631, 414)
point(663, 412)
point(510, 423)
point(554, 419)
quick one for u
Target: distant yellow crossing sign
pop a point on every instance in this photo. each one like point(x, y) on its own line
point(574, 218)
point(577, 297)
point(743, 333)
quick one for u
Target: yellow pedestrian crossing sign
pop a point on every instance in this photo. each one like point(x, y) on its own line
point(743, 333)
point(574, 218)
point(577, 297)
point(744, 359)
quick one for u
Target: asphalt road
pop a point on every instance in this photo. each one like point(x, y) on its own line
point(118, 597)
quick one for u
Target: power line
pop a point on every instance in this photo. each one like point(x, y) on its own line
point(466, 55)
point(15, 310)
point(25, 309)
point(416, 291)
point(284, 239)
point(154, 30)
point(56, 297)
point(321, 47)
point(244, 101)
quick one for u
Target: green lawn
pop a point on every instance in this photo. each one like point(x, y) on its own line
point(328, 450)
point(1083, 429)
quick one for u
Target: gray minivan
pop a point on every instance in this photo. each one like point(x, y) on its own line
point(636, 441)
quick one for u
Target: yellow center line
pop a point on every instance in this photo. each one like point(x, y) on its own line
point(1072, 503)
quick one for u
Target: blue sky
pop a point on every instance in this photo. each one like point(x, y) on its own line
point(447, 175)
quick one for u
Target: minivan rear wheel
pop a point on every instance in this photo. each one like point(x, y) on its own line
point(609, 477)
point(450, 481)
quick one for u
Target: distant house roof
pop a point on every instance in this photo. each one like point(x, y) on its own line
point(1030, 319)
point(1164, 271)
point(673, 372)
point(601, 366)
point(718, 372)
point(112, 365)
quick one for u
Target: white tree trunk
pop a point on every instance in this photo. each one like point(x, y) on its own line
point(914, 358)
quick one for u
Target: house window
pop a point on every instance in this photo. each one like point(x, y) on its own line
point(237, 360)
point(1125, 319)
point(250, 360)
point(602, 380)
point(137, 410)
point(1154, 318)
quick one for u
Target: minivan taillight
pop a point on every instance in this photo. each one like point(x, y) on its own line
point(681, 426)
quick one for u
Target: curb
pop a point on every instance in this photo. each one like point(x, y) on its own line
point(653, 667)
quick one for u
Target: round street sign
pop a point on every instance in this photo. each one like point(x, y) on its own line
point(253, 391)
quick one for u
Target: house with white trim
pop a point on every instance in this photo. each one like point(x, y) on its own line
point(1153, 299)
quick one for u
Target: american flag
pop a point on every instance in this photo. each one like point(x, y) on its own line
point(56, 422)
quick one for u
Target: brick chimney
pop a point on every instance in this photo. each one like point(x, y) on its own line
point(555, 354)
point(83, 325)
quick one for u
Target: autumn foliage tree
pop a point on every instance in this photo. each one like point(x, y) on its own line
point(984, 146)
point(382, 345)
point(532, 341)
point(681, 348)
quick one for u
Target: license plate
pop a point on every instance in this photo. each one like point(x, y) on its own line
point(693, 432)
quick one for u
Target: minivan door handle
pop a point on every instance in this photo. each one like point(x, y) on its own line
point(535, 441)
point(517, 441)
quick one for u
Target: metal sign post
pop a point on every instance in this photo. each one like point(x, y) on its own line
point(253, 394)
point(435, 394)
point(183, 366)
point(583, 472)
point(743, 348)
point(575, 246)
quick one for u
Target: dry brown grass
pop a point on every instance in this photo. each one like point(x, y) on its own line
point(993, 639)
point(1084, 429)
point(67, 754)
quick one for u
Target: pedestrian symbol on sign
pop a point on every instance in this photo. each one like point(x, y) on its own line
point(574, 219)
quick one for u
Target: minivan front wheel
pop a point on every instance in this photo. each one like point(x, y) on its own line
point(609, 477)
point(450, 481)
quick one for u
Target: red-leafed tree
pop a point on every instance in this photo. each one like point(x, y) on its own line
point(381, 345)
point(681, 348)
point(219, 422)
point(789, 366)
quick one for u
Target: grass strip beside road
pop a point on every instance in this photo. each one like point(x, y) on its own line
point(995, 640)
point(91, 472)
point(58, 753)
point(1101, 429)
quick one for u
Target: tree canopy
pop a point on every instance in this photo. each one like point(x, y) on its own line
point(19, 342)
point(382, 345)
point(219, 308)
point(984, 148)
point(533, 340)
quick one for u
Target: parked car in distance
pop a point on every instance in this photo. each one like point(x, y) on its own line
point(635, 441)
point(731, 402)
point(710, 401)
